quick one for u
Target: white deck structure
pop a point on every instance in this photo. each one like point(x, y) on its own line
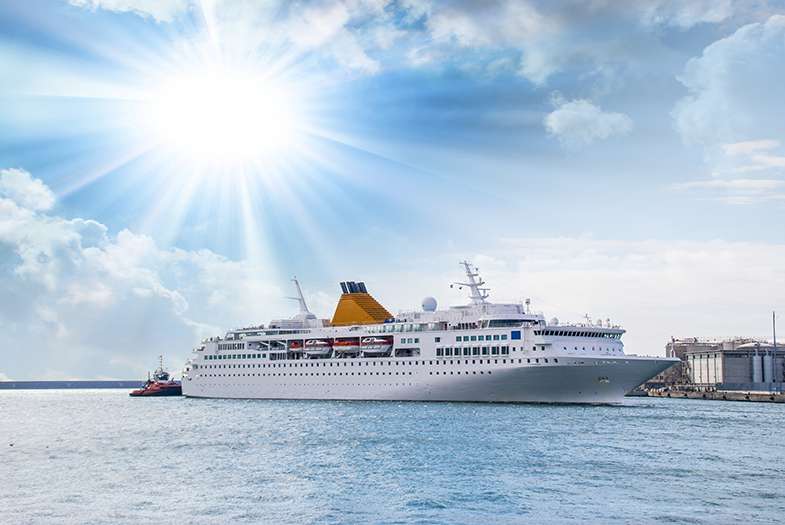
point(479, 352)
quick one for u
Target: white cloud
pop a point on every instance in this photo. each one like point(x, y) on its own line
point(749, 147)
point(24, 190)
point(89, 299)
point(160, 10)
point(734, 113)
point(749, 185)
point(500, 25)
point(733, 95)
point(736, 191)
point(579, 122)
point(687, 13)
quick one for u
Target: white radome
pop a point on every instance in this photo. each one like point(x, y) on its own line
point(429, 304)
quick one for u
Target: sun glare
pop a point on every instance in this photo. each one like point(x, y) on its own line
point(224, 115)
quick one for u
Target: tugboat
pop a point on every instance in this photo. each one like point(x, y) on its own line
point(161, 384)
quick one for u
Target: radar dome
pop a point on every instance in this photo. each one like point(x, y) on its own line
point(429, 304)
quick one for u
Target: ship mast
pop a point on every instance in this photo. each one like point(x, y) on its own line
point(475, 282)
point(300, 298)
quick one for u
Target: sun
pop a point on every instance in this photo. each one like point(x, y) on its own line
point(220, 114)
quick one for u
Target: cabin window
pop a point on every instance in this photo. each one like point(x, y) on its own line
point(437, 339)
point(484, 350)
point(439, 352)
point(495, 350)
point(496, 337)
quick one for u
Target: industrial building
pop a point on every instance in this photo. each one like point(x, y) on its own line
point(732, 364)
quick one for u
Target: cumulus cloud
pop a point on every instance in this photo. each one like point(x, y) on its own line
point(95, 304)
point(579, 122)
point(326, 25)
point(732, 88)
point(734, 113)
point(516, 25)
point(20, 187)
point(159, 10)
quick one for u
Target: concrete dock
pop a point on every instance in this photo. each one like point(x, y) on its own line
point(722, 395)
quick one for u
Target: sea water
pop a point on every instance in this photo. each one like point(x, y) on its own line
point(99, 456)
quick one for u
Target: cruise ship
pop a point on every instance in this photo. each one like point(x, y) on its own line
point(481, 351)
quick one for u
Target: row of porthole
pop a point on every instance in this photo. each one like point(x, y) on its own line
point(295, 374)
point(235, 385)
point(504, 361)
point(390, 363)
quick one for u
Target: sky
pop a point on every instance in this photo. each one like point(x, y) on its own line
point(167, 166)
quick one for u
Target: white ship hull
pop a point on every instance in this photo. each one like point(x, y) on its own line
point(485, 352)
point(573, 380)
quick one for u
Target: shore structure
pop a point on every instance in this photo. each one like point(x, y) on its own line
point(739, 364)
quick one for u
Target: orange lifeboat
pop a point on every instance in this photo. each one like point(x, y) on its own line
point(347, 346)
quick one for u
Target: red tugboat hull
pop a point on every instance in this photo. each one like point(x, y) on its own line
point(161, 384)
point(158, 390)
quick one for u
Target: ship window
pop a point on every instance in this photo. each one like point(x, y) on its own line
point(474, 338)
point(476, 350)
point(484, 350)
point(496, 337)
point(537, 360)
point(458, 338)
point(466, 351)
point(495, 350)
point(437, 339)
point(555, 360)
point(506, 350)
point(416, 340)
point(439, 352)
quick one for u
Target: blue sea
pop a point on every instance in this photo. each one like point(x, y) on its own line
point(98, 456)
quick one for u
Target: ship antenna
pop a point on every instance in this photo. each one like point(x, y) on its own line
point(475, 282)
point(300, 298)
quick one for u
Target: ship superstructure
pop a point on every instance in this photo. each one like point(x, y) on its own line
point(482, 351)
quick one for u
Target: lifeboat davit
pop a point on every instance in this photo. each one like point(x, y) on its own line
point(376, 346)
point(318, 348)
